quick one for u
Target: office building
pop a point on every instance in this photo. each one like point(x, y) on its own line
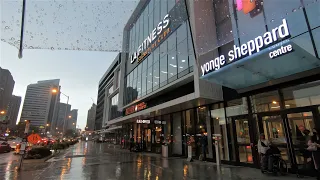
point(41, 103)
point(224, 68)
point(13, 111)
point(6, 89)
point(108, 94)
point(71, 122)
point(91, 117)
point(63, 117)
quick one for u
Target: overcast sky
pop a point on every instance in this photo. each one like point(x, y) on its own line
point(79, 73)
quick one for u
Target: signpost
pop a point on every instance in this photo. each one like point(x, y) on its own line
point(34, 138)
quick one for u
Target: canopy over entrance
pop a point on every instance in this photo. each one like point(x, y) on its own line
point(266, 67)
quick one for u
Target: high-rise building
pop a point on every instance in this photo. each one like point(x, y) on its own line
point(63, 115)
point(13, 111)
point(71, 123)
point(6, 88)
point(91, 118)
point(41, 103)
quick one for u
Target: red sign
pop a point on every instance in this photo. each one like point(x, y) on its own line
point(34, 138)
point(136, 108)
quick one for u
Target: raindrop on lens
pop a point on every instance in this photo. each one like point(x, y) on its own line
point(52, 48)
point(294, 10)
point(7, 27)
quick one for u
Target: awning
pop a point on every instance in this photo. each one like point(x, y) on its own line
point(110, 130)
point(259, 68)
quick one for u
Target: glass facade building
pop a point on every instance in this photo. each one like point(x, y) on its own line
point(171, 58)
point(235, 68)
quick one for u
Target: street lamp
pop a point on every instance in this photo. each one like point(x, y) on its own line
point(48, 125)
point(69, 117)
point(65, 115)
point(2, 112)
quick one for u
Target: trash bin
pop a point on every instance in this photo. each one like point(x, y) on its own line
point(165, 151)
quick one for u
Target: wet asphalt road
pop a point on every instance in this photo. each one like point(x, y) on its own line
point(91, 161)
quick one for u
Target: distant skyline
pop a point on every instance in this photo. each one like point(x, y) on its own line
point(79, 73)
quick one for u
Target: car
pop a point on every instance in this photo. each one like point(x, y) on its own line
point(14, 142)
point(4, 147)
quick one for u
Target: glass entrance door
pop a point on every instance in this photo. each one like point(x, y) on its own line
point(241, 131)
point(290, 131)
point(147, 140)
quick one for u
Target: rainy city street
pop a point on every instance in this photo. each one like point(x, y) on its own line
point(88, 160)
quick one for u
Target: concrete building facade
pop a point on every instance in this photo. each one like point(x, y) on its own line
point(41, 104)
point(13, 111)
point(6, 89)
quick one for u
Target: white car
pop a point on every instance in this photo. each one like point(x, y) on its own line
point(14, 142)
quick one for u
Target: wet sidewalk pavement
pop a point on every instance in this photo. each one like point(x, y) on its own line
point(92, 161)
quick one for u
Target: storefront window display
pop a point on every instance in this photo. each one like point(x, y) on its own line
point(177, 132)
point(189, 136)
point(202, 123)
point(264, 102)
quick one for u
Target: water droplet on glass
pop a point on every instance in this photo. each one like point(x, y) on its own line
point(272, 20)
point(30, 47)
point(52, 48)
point(294, 10)
point(60, 5)
point(7, 27)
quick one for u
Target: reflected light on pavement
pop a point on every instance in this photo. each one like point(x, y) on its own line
point(12, 175)
point(185, 170)
point(65, 169)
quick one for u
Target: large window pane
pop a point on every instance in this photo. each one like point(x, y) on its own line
point(150, 17)
point(163, 49)
point(313, 12)
point(146, 23)
point(264, 102)
point(156, 76)
point(171, 4)
point(172, 65)
point(144, 77)
point(137, 25)
point(164, 8)
point(134, 89)
point(149, 80)
point(182, 58)
point(237, 107)
point(182, 33)
point(172, 41)
point(139, 80)
point(163, 70)
point(156, 13)
point(190, 50)
point(302, 95)
point(290, 10)
point(304, 41)
point(141, 33)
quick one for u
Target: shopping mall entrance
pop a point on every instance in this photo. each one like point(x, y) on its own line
point(286, 129)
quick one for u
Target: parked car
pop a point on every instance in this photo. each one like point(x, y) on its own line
point(14, 142)
point(4, 147)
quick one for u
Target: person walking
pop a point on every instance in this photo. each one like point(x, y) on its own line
point(263, 146)
point(314, 147)
point(204, 145)
point(131, 143)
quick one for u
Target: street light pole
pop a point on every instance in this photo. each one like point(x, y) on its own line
point(65, 115)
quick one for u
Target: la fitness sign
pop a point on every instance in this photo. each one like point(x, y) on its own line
point(153, 40)
point(253, 46)
point(136, 108)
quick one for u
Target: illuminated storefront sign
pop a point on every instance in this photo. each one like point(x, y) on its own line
point(252, 47)
point(136, 108)
point(159, 122)
point(140, 121)
point(157, 35)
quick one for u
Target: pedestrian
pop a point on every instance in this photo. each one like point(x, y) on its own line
point(263, 146)
point(131, 143)
point(204, 145)
point(314, 147)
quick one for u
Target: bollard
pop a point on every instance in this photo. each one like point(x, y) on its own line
point(189, 153)
point(217, 137)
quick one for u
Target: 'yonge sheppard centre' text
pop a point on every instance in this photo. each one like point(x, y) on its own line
point(249, 48)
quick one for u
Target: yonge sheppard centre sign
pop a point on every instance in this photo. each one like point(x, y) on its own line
point(251, 47)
